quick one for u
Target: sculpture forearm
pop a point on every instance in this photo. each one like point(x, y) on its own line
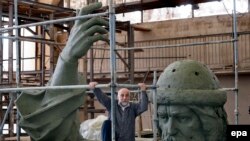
point(65, 73)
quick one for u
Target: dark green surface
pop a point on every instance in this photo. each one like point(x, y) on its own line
point(190, 104)
point(51, 115)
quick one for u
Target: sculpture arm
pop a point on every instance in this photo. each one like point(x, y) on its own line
point(51, 115)
point(65, 73)
point(83, 34)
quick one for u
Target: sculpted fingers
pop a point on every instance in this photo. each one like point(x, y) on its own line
point(98, 37)
point(96, 29)
point(90, 8)
point(96, 21)
point(92, 26)
point(90, 36)
point(80, 51)
point(87, 10)
point(84, 33)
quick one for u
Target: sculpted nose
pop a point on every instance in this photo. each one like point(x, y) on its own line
point(171, 127)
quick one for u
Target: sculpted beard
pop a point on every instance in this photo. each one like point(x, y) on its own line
point(179, 137)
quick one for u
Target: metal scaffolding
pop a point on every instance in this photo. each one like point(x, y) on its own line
point(113, 80)
point(112, 61)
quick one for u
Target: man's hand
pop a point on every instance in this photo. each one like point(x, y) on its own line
point(92, 85)
point(84, 33)
point(142, 86)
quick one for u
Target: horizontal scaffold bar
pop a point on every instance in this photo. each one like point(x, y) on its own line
point(178, 45)
point(53, 87)
point(85, 87)
point(134, 86)
point(54, 21)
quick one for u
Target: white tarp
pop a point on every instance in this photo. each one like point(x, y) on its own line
point(91, 129)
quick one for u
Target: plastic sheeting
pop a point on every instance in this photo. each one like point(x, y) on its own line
point(91, 129)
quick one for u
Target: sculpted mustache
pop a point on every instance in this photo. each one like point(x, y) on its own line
point(169, 138)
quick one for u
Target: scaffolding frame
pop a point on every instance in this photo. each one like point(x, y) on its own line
point(113, 83)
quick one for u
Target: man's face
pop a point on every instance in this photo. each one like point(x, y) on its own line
point(123, 96)
point(179, 123)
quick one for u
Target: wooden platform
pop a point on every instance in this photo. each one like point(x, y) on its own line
point(26, 138)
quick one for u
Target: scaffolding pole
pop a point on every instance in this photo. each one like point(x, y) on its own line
point(37, 40)
point(112, 64)
point(54, 21)
point(178, 45)
point(17, 66)
point(113, 61)
point(155, 118)
point(236, 92)
point(6, 113)
point(10, 66)
point(133, 86)
point(52, 88)
point(86, 86)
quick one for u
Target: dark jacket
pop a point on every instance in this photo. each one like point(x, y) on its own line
point(124, 120)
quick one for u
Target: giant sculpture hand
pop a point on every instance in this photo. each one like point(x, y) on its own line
point(83, 34)
point(51, 115)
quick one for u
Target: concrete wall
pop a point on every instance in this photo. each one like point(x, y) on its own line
point(192, 27)
point(227, 81)
point(218, 57)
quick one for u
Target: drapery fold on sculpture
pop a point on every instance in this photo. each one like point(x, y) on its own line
point(45, 118)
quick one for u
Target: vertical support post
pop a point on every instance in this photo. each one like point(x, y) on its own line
point(141, 13)
point(1, 48)
point(131, 57)
point(91, 64)
point(131, 68)
point(112, 62)
point(42, 57)
point(18, 52)
point(192, 11)
point(7, 112)
point(37, 58)
point(155, 119)
point(1, 66)
point(67, 3)
point(92, 78)
point(10, 60)
point(10, 69)
point(248, 5)
point(85, 73)
point(52, 49)
point(236, 92)
point(17, 45)
point(142, 18)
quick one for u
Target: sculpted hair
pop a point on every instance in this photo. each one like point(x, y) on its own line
point(213, 121)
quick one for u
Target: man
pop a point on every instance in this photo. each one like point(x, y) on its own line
point(125, 112)
point(51, 115)
point(190, 104)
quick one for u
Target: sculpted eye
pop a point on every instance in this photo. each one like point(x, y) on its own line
point(162, 116)
point(183, 118)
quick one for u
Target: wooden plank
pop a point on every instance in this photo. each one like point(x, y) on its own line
point(52, 2)
point(24, 138)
